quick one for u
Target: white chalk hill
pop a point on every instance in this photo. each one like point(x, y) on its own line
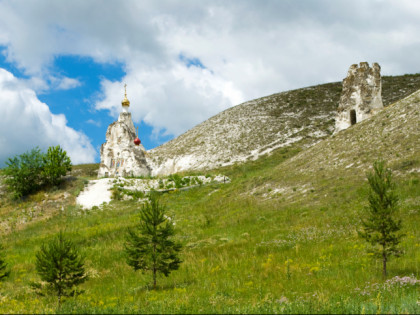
point(301, 117)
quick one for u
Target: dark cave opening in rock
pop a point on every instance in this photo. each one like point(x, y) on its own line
point(353, 117)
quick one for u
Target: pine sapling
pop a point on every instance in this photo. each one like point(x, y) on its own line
point(60, 265)
point(381, 227)
point(149, 247)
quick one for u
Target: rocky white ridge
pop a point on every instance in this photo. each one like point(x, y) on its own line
point(249, 130)
point(99, 191)
point(241, 133)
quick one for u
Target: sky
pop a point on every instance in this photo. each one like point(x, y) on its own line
point(63, 64)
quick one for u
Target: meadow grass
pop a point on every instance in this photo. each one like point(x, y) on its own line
point(245, 250)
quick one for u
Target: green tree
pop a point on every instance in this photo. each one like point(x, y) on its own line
point(150, 247)
point(4, 272)
point(381, 228)
point(60, 265)
point(23, 173)
point(56, 164)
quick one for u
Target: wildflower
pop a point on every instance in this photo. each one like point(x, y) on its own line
point(314, 269)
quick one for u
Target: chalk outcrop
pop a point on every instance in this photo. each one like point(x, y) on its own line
point(361, 95)
point(119, 155)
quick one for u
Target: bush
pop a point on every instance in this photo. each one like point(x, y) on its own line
point(56, 165)
point(27, 172)
point(23, 173)
point(176, 179)
point(117, 194)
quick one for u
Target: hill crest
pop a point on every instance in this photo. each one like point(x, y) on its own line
point(257, 127)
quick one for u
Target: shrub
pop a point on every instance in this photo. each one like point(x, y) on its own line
point(176, 179)
point(56, 165)
point(27, 172)
point(23, 173)
point(117, 194)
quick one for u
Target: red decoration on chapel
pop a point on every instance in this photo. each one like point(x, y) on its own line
point(137, 141)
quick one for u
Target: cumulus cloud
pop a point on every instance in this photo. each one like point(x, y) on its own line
point(186, 96)
point(240, 49)
point(26, 123)
point(67, 83)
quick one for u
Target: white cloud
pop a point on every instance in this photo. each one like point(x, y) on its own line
point(248, 48)
point(184, 97)
point(26, 123)
point(67, 83)
point(94, 122)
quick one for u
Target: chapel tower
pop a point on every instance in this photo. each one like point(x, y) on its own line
point(123, 154)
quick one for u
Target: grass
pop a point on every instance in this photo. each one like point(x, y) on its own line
point(243, 252)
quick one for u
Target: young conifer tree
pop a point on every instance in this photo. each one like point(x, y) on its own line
point(4, 272)
point(150, 246)
point(381, 227)
point(60, 265)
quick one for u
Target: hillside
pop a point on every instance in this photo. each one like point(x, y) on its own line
point(281, 237)
point(392, 135)
point(257, 127)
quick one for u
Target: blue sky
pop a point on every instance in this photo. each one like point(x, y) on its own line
point(63, 64)
point(78, 103)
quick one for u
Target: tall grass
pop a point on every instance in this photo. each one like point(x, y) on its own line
point(245, 251)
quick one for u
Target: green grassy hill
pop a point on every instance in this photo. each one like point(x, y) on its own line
point(281, 237)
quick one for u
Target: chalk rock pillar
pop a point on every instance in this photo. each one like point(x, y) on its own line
point(361, 95)
point(119, 155)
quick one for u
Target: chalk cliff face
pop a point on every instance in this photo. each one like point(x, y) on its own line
point(119, 155)
point(361, 95)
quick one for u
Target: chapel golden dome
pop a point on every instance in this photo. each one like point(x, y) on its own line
point(125, 102)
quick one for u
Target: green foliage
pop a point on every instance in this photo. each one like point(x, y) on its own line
point(176, 179)
point(136, 194)
point(381, 227)
point(27, 172)
point(116, 193)
point(161, 184)
point(150, 247)
point(4, 272)
point(24, 173)
point(56, 165)
point(61, 266)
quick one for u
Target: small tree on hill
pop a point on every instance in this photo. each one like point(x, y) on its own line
point(150, 247)
point(61, 266)
point(381, 227)
point(23, 173)
point(4, 272)
point(56, 164)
